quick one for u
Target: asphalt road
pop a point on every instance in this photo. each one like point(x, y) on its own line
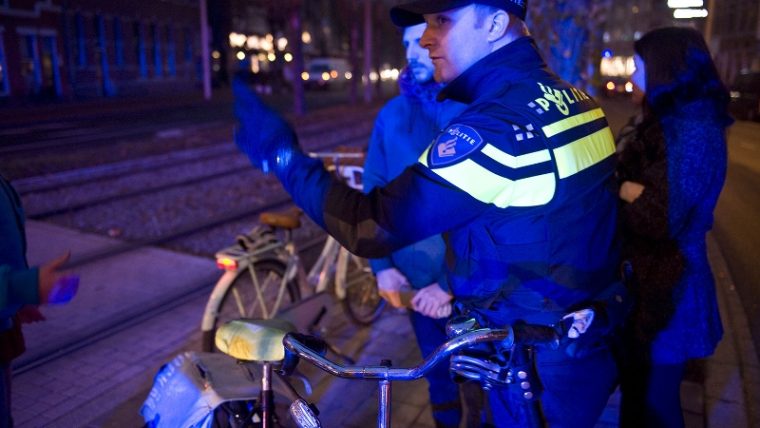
point(737, 218)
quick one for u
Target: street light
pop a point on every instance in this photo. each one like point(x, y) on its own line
point(689, 13)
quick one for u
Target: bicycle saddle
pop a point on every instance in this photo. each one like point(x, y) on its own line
point(287, 220)
point(253, 340)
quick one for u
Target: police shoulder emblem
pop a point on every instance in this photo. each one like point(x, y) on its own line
point(454, 144)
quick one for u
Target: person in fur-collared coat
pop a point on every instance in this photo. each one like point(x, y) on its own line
point(671, 174)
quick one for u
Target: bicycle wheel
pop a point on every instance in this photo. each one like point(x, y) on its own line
point(242, 301)
point(362, 303)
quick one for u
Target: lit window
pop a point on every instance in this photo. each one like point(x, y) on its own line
point(30, 63)
point(3, 73)
point(142, 61)
point(118, 42)
point(158, 65)
point(171, 56)
point(81, 41)
point(188, 46)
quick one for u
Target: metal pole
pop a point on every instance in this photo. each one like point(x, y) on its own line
point(368, 86)
point(267, 397)
point(384, 404)
point(205, 54)
point(710, 21)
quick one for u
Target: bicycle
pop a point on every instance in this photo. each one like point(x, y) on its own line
point(263, 272)
point(201, 389)
point(508, 362)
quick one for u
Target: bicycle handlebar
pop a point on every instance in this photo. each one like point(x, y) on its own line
point(519, 334)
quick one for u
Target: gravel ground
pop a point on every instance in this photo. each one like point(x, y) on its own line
point(155, 195)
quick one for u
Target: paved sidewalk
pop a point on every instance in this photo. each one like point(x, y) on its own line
point(104, 383)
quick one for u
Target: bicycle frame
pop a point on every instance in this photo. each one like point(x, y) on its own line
point(332, 255)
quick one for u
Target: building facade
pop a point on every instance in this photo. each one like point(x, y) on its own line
point(88, 48)
point(735, 38)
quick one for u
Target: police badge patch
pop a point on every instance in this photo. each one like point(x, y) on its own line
point(453, 145)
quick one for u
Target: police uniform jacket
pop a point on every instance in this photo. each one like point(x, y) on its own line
point(519, 183)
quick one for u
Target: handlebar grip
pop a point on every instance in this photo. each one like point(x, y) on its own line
point(539, 336)
point(291, 359)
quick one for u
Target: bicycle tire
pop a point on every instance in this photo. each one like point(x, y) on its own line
point(269, 272)
point(362, 303)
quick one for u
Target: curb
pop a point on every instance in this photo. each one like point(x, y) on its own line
point(732, 379)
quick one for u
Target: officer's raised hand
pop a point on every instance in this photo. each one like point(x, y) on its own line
point(262, 134)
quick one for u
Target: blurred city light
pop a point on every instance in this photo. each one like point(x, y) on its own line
point(628, 87)
point(306, 37)
point(617, 66)
point(240, 55)
point(216, 54)
point(237, 40)
point(305, 76)
point(389, 74)
point(325, 76)
point(266, 45)
point(271, 57)
point(689, 13)
point(679, 4)
point(349, 75)
point(610, 86)
point(282, 42)
point(373, 76)
point(252, 43)
point(288, 57)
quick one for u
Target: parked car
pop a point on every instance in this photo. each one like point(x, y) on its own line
point(745, 96)
point(616, 86)
point(323, 73)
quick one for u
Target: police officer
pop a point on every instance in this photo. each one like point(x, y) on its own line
point(519, 183)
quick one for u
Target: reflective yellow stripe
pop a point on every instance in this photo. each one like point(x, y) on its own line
point(516, 161)
point(581, 154)
point(491, 188)
point(572, 121)
point(423, 157)
point(532, 192)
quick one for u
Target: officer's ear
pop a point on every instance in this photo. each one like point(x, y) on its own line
point(498, 23)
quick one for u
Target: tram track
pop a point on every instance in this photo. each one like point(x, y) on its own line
point(75, 135)
point(191, 228)
point(238, 166)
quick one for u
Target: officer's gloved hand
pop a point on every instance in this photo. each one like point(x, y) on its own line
point(262, 134)
point(580, 321)
point(583, 335)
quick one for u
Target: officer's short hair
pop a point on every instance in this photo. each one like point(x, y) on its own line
point(516, 27)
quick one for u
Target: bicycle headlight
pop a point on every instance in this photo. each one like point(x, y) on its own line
point(303, 414)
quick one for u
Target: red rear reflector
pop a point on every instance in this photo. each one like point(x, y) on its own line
point(226, 263)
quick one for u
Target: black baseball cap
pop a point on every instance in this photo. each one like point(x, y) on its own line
point(408, 14)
